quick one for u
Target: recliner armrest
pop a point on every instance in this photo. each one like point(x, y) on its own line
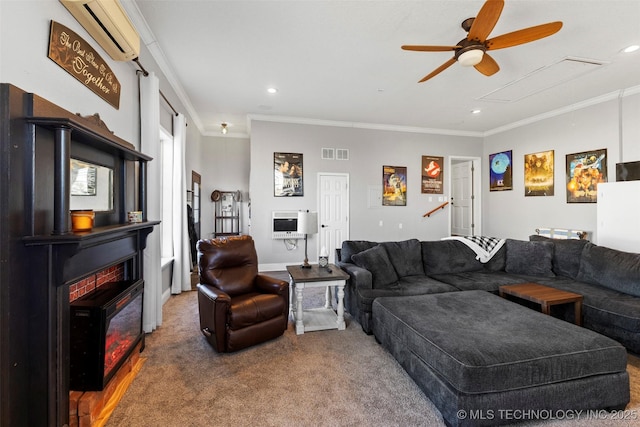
point(271, 285)
point(213, 305)
point(214, 293)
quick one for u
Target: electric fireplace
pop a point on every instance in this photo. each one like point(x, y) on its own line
point(106, 326)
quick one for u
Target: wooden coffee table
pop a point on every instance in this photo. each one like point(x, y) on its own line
point(546, 296)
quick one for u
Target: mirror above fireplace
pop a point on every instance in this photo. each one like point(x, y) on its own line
point(91, 186)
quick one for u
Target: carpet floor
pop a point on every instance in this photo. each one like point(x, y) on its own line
point(322, 378)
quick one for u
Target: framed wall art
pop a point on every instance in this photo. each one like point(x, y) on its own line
point(584, 172)
point(394, 186)
point(500, 171)
point(287, 180)
point(432, 175)
point(538, 174)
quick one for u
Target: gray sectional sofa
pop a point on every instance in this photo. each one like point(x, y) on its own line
point(608, 279)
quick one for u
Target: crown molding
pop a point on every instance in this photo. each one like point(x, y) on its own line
point(149, 40)
point(359, 125)
point(569, 108)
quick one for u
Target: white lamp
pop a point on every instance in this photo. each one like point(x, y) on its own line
point(471, 57)
point(307, 224)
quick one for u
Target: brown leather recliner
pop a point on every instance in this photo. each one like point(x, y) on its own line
point(238, 307)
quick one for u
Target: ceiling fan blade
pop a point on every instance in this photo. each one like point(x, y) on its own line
point(485, 20)
point(438, 70)
point(430, 48)
point(488, 66)
point(525, 35)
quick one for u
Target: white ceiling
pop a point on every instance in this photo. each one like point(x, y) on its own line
point(341, 62)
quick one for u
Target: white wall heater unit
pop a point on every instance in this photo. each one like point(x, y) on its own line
point(285, 225)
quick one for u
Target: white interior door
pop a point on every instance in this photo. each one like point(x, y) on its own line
point(462, 195)
point(333, 211)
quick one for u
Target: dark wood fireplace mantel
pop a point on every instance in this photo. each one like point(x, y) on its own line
point(40, 256)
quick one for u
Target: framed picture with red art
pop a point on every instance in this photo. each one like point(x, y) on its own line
point(432, 175)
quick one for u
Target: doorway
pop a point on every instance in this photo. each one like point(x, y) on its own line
point(194, 205)
point(333, 211)
point(465, 196)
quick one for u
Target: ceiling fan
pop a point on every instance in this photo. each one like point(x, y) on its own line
point(472, 51)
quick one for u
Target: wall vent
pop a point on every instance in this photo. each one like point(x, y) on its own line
point(342, 154)
point(328, 154)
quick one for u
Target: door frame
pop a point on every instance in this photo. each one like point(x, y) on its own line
point(319, 201)
point(477, 190)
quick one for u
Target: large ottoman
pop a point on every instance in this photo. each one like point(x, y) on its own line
point(483, 360)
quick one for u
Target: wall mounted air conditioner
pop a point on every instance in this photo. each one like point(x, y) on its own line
point(109, 25)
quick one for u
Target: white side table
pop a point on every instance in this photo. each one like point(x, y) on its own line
point(317, 319)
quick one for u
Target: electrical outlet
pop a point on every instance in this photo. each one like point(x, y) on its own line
point(400, 226)
point(380, 224)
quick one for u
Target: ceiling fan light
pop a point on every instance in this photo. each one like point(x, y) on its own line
point(470, 57)
point(631, 48)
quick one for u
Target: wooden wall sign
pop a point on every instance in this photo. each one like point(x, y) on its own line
point(78, 58)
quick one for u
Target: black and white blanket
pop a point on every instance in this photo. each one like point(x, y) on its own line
point(484, 247)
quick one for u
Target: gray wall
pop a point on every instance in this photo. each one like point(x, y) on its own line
point(613, 125)
point(24, 39)
point(24, 63)
point(24, 27)
point(226, 168)
point(369, 150)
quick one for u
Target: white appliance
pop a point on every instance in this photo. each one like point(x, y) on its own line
point(619, 215)
point(109, 25)
point(285, 225)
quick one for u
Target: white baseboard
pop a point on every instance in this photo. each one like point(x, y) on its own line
point(273, 267)
point(166, 295)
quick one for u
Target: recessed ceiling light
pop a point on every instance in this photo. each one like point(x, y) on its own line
point(476, 111)
point(631, 48)
point(272, 90)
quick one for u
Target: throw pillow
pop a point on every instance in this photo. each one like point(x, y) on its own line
point(352, 247)
point(529, 258)
point(377, 262)
point(406, 257)
point(566, 254)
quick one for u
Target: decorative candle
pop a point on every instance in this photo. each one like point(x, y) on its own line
point(82, 220)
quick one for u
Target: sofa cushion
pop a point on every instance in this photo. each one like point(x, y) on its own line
point(448, 256)
point(406, 286)
point(498, 261)
point(377, 261)
point(406, 257)
point(352, 247)
point(566, 254)
point(611, 268)
point(479, 280)
point(601, 305)
point(530, 258)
